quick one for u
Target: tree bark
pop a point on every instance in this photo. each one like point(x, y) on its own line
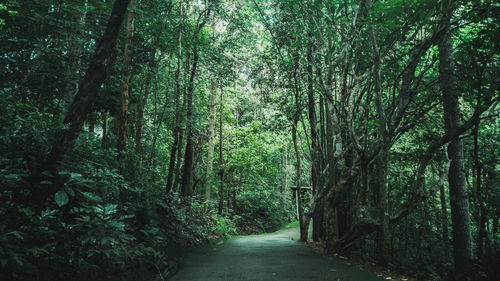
point(459, 203)
point(304, 224)
point(140, 113)
point(187, 174)
point(221, 156)
point(443, 167)
point(481, 237)
point(382, 162)
point(211, 144)
point(314, 136)
point(124, 93)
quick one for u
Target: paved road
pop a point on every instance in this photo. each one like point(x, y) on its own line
point(274, 257)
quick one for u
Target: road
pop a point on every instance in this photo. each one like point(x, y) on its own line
point(275, 257)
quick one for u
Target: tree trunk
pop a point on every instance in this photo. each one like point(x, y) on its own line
point(382, 238)
point(444, 212)
point(331, 218)
point(481, 214)
point(314, 137)
point(382, 163)
point(124, 93)
point(95, 75)
point(178, 115)
point(180, 143)
point(298, 191)
point(221, 156)
point(302, 221)
point(211, 145)
point(140, 114)
point(187, 175)
point(458, 194)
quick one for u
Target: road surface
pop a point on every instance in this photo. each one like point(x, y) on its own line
point(270, 257)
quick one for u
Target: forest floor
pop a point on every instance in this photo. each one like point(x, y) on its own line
point(276, 256)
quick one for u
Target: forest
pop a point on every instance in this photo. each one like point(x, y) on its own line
point(132, 130)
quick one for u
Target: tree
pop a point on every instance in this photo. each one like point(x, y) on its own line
point(124, 97)
point(459, 204)
point(95, 75)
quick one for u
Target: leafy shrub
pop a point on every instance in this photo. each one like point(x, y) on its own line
point(225, 227)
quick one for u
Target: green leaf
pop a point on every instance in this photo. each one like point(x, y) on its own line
point(46, 182)
point(61, 198)
point(110, 209)
point(16, 234)
point(70, 191)
point(92, 196)
point(47, 173)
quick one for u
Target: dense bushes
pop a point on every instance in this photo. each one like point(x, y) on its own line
point(99, 225)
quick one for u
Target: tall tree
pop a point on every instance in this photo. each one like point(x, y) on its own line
point(221, 156)
point(178, 114)
point(187, 173)
point(459, 202)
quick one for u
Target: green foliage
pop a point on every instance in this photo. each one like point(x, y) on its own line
point(262, 211)
point(226, 227)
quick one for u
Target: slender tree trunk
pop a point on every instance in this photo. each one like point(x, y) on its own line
point(444, 212)
point(221, 156)
point(211, 137)
point(298, 193)
point(178, 115)
point(285, 186)
point(477, 165)
point(314, 137)
point(382, 163)
point(180, 143)
point(95, 75)
point(124, 97)
point(458, 194)
point(331, 217)
point(304, 226)
point(382, 243)
point(140, 114)
point(187, 175)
